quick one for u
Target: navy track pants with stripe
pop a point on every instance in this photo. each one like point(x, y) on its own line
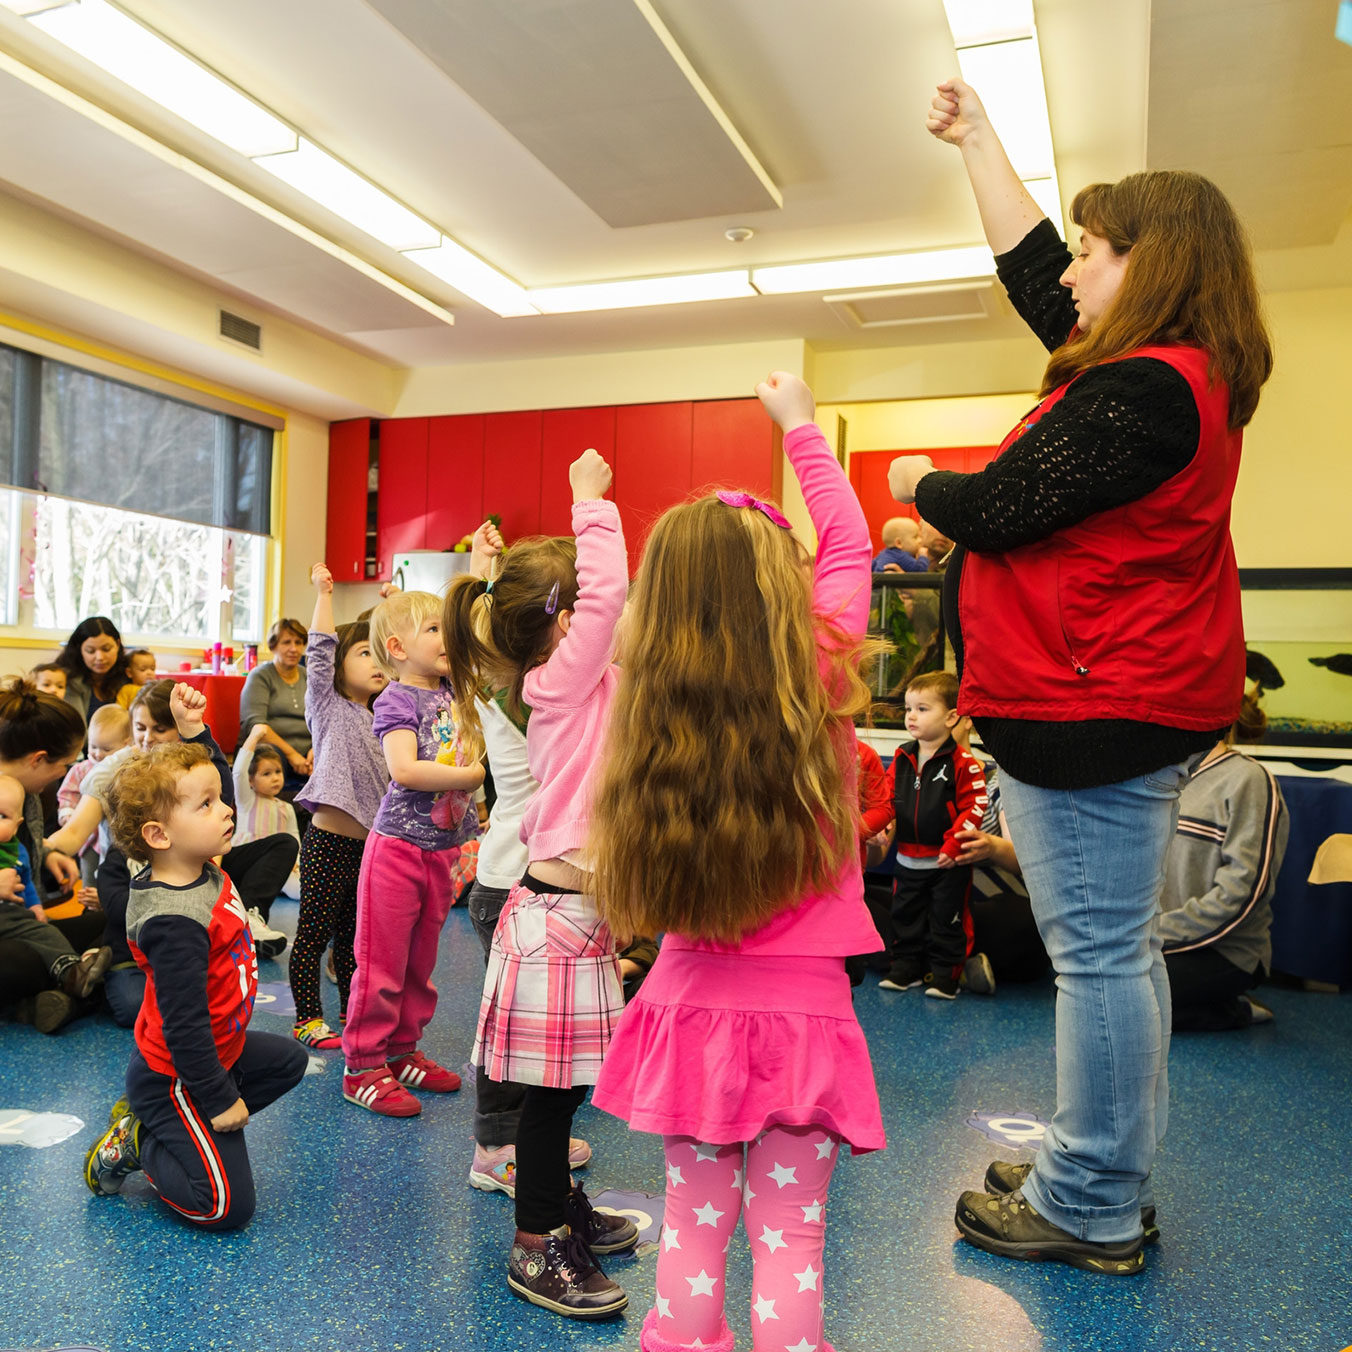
point(204, 1175)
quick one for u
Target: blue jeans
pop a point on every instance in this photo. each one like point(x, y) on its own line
point(124, 988)
point(1093, 860)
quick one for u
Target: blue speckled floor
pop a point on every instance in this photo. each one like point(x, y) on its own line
point(368, 1239)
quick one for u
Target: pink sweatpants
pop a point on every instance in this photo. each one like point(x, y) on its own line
point(779, 1182)
point(403, 897)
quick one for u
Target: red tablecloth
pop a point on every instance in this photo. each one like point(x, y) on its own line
point(222, 692)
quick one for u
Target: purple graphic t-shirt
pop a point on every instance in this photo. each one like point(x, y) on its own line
point(431, 821)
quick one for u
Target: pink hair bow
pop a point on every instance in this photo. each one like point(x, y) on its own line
point(746, 500)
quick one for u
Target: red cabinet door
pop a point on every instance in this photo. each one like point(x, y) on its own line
point(401, 508)
point(345, 535)
point(512, 471)
point(455, 479)
point(736, 446)
point(652, 466)
point(565, 434)
point(868, 476)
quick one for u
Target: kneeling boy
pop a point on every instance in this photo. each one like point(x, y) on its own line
point(196, 1075)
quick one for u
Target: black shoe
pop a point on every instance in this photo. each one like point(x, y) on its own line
point(1009, 1227)
point(942, 986)
point(47, 1011)
point(561, 1275)
point(902, 976)
point(1002, 1177)
point(602, 1232)
point(978, 975)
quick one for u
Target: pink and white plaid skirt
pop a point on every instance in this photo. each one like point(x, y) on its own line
point(552, 993)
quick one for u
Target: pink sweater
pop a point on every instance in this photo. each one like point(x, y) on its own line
point(833, 923)
point(570, 695)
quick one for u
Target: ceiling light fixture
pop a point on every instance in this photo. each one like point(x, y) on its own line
point(932, 265)
point(141, 59)
point(976, 21)
point(323, 179)
point(680, 290)
point(477, 279)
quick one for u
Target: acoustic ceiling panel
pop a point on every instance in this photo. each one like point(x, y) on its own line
point(599, 92)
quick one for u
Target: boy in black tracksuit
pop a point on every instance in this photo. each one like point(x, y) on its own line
point(938, 789)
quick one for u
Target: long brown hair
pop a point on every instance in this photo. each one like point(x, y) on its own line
point(1190, 280)
point(495, 635)
point(723, 796)
point(31, 721)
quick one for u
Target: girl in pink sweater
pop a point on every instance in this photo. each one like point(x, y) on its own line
point(544, 628)
point(727, 818)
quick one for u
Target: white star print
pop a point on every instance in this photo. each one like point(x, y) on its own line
point(663, 1307)
point(747, 1194)
point(705, 1152)
point(674, 1175)
point(824, 1148)
point(669, 1240)
point(802, 1346)
point(702, 1285)
point(699, 1342)
point(765, 1309)
point(781, 1175)
point(773, 1239)
point(736, 1178)
point(706, 1215)
point(813, 1212)
point(807, 1279)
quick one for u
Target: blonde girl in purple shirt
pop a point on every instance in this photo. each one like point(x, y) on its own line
point(544, 628)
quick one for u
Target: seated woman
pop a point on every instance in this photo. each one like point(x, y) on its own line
point(1219, 878)
point(274, 694)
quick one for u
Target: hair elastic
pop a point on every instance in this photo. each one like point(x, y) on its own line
point(729, 499)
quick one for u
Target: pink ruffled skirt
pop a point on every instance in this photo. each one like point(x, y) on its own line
point(719, 1046)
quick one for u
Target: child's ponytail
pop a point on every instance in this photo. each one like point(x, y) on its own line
point(31, 721)
point(464, 619)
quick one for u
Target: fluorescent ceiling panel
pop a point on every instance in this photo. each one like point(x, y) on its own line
point(1008, 77)
point(644, 291)
point(977, 21)
point(147, 63)
point(935, 265)
point(323, 179)
point(474, 277)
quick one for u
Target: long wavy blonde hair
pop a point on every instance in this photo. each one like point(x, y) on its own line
point(723, 797)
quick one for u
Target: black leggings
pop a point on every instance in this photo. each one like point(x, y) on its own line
point(542, 1177)
point(260, 868)
point(329, 867)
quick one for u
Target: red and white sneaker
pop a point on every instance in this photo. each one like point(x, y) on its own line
point(379, 1091)
point(421, 1072)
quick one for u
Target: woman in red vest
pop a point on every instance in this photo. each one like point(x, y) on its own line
point(1094, 606)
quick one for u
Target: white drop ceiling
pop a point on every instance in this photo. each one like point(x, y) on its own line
point(454, 108)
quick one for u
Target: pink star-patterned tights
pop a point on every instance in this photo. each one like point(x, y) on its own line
point(779, 1182)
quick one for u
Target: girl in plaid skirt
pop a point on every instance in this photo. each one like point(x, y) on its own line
point(544, 629)
point(726, 818)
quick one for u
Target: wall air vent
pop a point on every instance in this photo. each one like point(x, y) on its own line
point(243, 331)
point(914, 305)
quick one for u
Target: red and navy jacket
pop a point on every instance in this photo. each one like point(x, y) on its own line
point(934, 802)
point(875, 797)
point(196, 949)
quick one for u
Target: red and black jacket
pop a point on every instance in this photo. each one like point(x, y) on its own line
point(935, 801)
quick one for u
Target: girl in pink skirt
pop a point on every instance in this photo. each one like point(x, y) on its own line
point(544, 629)
point(725, 818)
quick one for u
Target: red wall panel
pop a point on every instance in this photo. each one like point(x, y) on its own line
point(868, 475)
point(652, 465)
point(401, 510)
point(512, 471)
point(455, 478)
point(735, 445)
point(345, 535)
point(565, 434)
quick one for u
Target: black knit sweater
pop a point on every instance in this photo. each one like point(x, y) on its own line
point(1119, 432)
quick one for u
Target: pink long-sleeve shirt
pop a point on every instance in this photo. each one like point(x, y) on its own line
point(834, 922)
point(570, 695)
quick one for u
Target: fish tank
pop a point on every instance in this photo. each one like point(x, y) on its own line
point(1298, 636)
point(1297, 628)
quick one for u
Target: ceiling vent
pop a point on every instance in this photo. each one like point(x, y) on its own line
point(242, 331)
point(914, 305)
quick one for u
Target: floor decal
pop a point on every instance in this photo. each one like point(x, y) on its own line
point(1022, 1131)
point(274, 997)
point(642, 1208)
point(18, 1126)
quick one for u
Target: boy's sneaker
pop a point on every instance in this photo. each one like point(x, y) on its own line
point(379, 1091)
point(317, 1035)
point(1003, 1177)
point(268, 942)
point(978, 975)
point(561, 1275)
point(942, 986)
point(114, 1155)
point(602, 1232)
point(494, 1169)
point(901, 977)
point(421, 1072)
point(1009, 1227)
point(81, 976)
